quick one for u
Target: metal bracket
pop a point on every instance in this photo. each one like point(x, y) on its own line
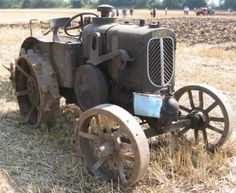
point(30, 24)
point(120, 53)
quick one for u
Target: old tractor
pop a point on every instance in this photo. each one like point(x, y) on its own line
point(122, 77)
point(205, 11)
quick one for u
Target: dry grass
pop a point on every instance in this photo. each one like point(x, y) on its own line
point(210, 64)
point(218, 53)
point(41, 160)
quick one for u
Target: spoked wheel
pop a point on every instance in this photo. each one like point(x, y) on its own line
point(210, 113)
point(113, 144)
point(37, 105)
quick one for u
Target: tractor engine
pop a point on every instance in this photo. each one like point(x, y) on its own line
point(135, 58)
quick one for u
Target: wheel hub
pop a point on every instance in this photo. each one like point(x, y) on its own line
point(106, 149)
point(199, 118)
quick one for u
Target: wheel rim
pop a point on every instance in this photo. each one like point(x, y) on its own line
point(27, 92)
point(113, 144)
point(210, 113)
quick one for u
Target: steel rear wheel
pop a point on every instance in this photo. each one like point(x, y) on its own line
point(113, 144)
point(27, 92)
point(36, 102)
point(210, 113)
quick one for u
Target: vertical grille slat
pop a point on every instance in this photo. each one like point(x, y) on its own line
point(160, 60)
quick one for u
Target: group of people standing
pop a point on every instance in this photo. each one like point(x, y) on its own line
point(124, 12)
point(154, 12)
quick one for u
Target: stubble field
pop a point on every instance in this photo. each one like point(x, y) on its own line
point(45, 160)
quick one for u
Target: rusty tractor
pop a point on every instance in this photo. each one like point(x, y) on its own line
point(205, 11)
point(121, 76)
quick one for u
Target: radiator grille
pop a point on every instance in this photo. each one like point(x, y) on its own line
point(160, 60)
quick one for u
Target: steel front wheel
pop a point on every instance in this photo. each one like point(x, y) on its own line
point(113, 144)
point(210, 113)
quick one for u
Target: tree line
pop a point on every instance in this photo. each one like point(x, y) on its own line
point(170, 4)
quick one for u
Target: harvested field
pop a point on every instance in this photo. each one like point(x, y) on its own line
point(45, 160)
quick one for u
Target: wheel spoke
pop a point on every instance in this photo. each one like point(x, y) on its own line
point(22, 93)
point(38, 108)
point(121, 172)
point(97, 121)
point(201, 99)
point(205, 137)
point(30, 112)
point(191, 99)
point(217, 119)
point(183, 131)
point(184, 108)
point(22, 71)
point(99, 163)
point(215, 129)
point(196, 136)
point(116, 134)
point(98, 124)
point(211, 107)
point(89, 136)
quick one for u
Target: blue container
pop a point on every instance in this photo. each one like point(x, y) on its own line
point(148, 105)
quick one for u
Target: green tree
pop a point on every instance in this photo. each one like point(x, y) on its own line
point(26, 4)
point(75, 3)
point(173, 4)
point(195, 3)
point(154, 3)
point(9, 4)
point(126, 3)
point(89, 3)
point(48, 3)
point(230, 4)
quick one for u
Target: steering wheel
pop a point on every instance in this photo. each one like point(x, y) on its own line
point(79, 26)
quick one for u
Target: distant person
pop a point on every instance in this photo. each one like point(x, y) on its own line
point(124, 12)
point(154, 12)
point(117, 12)
point(187, 10)
point(166, 10)
point(113, 13)
point(131, 11)
point(230, 10)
